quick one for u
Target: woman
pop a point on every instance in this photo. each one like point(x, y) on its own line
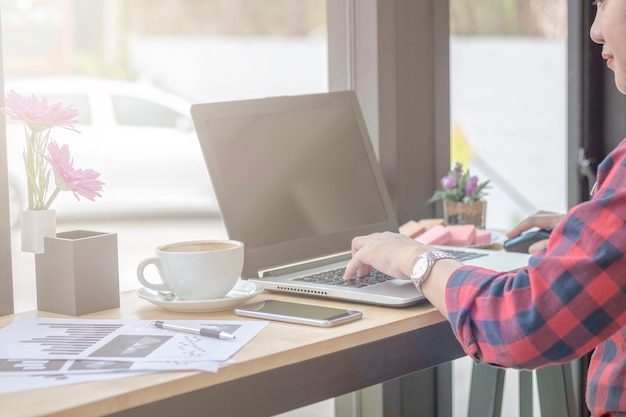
point(569, 301)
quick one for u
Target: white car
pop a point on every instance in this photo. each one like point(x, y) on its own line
point(139, 138)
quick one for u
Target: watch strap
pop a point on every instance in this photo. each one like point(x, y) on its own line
point(432, 257)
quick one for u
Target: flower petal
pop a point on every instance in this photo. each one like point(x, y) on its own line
point(82, 182)
point(38, 115)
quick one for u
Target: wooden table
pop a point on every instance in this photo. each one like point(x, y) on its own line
point(285, 367)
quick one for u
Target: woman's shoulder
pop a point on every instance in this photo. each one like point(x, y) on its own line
point(612, 170)
point(613, 159)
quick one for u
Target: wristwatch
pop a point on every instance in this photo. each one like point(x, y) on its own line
point(421, 266)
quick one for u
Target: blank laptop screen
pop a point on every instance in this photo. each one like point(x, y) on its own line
point(296, 177)
point(278, 192)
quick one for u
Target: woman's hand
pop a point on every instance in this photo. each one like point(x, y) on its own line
point(542, 220)
point(390, 253)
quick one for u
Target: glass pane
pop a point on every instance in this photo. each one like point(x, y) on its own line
point(131, 111)
point(508, 102)
point(132, 68)
point(508, 113)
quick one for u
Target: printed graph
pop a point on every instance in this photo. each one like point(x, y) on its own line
point(71, 339)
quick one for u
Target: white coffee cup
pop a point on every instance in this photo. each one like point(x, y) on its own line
point(196, 270)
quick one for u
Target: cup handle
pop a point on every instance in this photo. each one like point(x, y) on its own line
point(140, 275)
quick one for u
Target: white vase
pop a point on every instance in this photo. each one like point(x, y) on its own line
point(35, 225)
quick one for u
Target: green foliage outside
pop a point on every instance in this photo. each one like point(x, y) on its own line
point(302, 17)
point(545, 18)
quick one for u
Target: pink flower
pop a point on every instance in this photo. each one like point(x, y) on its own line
point(39, 119)
point(82, 182)
point(38, 115)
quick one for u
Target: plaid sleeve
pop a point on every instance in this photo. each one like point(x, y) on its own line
point(571, 297)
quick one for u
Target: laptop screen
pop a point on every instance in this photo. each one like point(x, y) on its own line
point(293, 171)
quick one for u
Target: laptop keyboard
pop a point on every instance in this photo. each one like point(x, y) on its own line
point(463, 256)
point(335, 276)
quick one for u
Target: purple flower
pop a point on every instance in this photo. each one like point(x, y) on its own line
point(458, 170)
point(471, 186)
point(459, 185)
point(448, 182)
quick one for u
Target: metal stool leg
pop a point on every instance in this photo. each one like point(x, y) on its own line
point(526, 394)
point(557, 397)
point(486, 391)
point(556, 385)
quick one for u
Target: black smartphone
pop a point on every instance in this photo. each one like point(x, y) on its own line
point(522, 242)
point(312, 315)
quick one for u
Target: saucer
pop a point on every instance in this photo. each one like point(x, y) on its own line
point(242, 292)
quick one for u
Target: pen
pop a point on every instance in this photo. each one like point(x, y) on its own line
point(208, 332)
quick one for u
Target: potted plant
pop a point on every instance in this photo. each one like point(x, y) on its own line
point(47, 165)
point(463, 197)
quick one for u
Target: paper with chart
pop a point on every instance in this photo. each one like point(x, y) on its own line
point(88, 342)
point(25, 382)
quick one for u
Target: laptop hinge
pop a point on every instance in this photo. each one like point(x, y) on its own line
point(305, 264)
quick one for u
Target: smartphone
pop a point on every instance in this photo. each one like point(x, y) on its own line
point(522, 242)
point(298, 313)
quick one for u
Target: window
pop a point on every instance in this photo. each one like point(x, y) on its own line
point(508, 102)
point(79, 101)
point(130, 111)
point(138, 66)
point(508, 81)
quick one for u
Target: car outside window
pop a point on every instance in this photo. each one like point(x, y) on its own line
point(79, 101)
point(131, 111)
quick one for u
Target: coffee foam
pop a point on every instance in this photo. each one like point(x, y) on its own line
point(198, 247)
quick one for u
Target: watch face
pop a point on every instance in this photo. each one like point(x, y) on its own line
point(421, 266)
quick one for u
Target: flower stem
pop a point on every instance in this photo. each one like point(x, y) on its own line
point(52, 197)
point(36, 166)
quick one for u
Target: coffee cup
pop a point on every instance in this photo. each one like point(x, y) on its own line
point(195, 270)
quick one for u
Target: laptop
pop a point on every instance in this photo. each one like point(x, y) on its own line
point(296, 179)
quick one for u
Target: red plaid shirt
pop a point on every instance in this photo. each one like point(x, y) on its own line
point(570, 300)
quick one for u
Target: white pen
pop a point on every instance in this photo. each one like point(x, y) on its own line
point(208, 332)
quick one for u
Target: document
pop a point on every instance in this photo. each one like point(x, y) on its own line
point(53, 351)
point(121, 340)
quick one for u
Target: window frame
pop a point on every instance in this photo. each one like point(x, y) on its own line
point(405, 103)
point(595, 107)
point(6, 265)
point(395, 55)
point(374, 49)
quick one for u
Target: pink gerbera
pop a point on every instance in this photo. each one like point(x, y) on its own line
point(38, 115)
point(82, 182)
point(39, 118)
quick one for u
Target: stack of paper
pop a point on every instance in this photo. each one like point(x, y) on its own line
point(37, 352)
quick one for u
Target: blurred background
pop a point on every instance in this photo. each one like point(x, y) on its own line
point(133, 67)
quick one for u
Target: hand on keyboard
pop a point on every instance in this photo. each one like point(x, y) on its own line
point(335, 277)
